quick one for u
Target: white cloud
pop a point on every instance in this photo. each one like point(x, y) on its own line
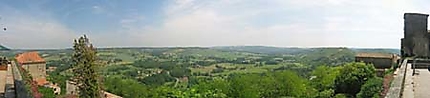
point(98, 9)
point(210, 26)
point(349, 23)
point(306, 23)
point(29, 31)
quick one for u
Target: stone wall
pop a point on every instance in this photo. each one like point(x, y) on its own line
point(37, 70)
point(379, 63)
point(71, 88)
point(397, 83)
point(404, 51)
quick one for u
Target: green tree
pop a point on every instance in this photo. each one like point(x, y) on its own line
point(323, 79)
point(217, 85)
point(341, 96)
point(180, 72)
point(47, 92)
point(244, 86)
point(269, 86)
point(85, 69)
point(164, 92)
point(157, 79)
point(352, 76)
point(127, 88)
point(371, 89)
point(291, 84)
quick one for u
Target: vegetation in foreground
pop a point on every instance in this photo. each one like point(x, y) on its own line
point(84, 69)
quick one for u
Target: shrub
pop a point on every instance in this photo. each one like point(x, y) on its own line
point(371, 89)
point(352, 76)
point(341, 96)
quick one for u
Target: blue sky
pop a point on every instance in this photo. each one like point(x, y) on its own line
point(154, 23)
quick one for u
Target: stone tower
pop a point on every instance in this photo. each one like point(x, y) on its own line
point(415, 42)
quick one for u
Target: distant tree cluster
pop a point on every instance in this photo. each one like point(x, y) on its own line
point(298, 75)
point(157, 79)
point(351, 80)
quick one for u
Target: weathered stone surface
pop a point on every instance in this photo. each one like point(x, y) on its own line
point(396, 86)
point(2, 82)
point(415, 42)
point(408, 86)
point(379, 60)
point(10, 85)
point(421, 82)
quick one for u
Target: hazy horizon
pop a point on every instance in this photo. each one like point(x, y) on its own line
point(52, 24)
point(203, 47)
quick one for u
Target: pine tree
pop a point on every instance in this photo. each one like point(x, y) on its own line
point(85, 69)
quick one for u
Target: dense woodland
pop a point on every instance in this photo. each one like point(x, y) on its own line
point(226, 72)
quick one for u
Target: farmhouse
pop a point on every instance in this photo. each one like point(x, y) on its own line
point(34, 64)
point(379, 60)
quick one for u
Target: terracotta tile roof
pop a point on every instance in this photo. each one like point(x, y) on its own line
point(374, 55)
point(29, 57)
point(110, 95)
point(41, 81)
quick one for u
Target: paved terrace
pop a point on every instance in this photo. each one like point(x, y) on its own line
point(2, 82)
point(422, 83)
point(409, 85)
point(7, 87)
point(10, 83)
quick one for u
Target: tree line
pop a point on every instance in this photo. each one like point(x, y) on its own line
point(352, 80)
point(356, 80)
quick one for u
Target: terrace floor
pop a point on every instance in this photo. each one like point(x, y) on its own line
point(421, 83)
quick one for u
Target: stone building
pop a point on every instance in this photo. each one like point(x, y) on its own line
point(72, 90)
point(34, 64)
point(416, 37)
point(379, 60)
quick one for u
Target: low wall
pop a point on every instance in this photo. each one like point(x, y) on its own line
point(379, 63)
point(396, 87)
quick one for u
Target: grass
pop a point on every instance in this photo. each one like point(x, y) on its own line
point(52, 58)
point(249, 68)
point(125, 57)
point(214, 53)
point(203, 69)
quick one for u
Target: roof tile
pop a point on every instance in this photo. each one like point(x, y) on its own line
point(29, 57)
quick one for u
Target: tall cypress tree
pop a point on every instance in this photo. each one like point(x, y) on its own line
point(85, 69)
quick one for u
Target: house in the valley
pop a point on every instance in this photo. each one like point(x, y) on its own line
point(34, 64)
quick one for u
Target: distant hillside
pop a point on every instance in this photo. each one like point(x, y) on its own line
point(378, 50)
point(3, 48)
point(262, 49)
point(280, 50)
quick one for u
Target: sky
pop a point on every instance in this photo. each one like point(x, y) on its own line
point(46, 24)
